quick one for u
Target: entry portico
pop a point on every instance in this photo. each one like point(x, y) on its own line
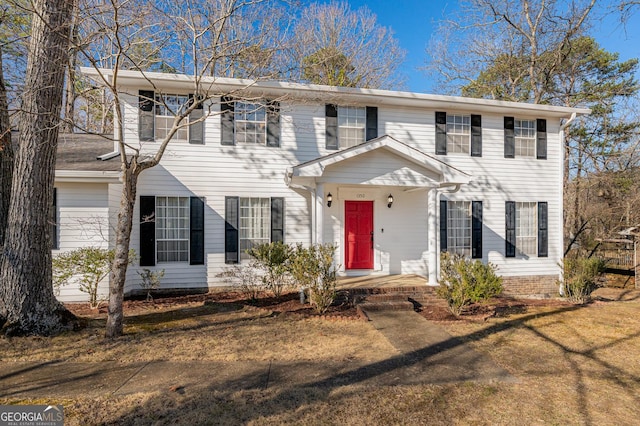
point(378, 203)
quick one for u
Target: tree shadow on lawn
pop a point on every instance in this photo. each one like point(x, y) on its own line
point(296, 397)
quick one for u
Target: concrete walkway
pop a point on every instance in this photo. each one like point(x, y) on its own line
point(427, 355)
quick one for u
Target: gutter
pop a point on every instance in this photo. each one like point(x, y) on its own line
point(108, 156)
point(569, 121)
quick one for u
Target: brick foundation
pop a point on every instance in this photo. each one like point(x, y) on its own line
point(531, 286)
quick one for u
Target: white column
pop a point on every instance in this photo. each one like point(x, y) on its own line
point(319, 208)
point(312, 212)
point(432, 223)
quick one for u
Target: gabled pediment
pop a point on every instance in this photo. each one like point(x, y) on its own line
point(380, 161)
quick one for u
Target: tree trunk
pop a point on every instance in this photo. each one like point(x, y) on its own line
point(6, 155)
point(27, 302)
point(70, 95)
point(566, 169)
point(115, 317)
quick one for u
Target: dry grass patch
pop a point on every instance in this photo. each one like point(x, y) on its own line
point(212, 332)
point(574, 365)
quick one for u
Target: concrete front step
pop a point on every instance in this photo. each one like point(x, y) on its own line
point(385, 306)
point(415, 295)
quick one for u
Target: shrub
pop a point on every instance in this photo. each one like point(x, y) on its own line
point(273, 258)
point(464, 281)
point(88, 266)
point(313, 268)
point(150, 280)
point(580, 277)
point(246, 277)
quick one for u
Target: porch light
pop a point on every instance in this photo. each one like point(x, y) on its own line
point(389, 200)
point(329, 199)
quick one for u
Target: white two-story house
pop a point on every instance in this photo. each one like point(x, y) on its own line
point(390, 178)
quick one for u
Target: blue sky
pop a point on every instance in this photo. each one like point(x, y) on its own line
point(414, 21)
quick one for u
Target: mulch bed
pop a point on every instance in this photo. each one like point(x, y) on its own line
point(289, 305)
point(496, 307)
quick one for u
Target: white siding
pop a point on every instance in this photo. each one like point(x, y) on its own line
point(214, 171)
point(83, 221)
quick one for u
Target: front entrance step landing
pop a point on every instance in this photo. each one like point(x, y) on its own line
point(394, 298)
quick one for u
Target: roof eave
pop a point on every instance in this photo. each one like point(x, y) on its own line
point(136, 79)
point(87, 176)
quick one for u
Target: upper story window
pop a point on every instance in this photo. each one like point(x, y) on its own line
point(351, 126)
point(250, 123)
point(167, 106)
point(347, 126)
point(458, 134)
point(525, 138)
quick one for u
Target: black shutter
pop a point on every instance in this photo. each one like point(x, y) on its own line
point(476, 135)
point(231, 219)
point(331, 126)
point(147, 231)
point(541, 139)
point(510, 225)
point(226, 121)
point(543, 230)
point(273, 124)
point(443, 225)
point(509, 138)
point(196, 130)
point(372, 123)
point(277, 219)
point(146, 116)
point(441, 133)
point(54, 220)
point(476, 229)
point(196, 231)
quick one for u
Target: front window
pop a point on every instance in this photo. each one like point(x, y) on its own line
point(459, 227)
point(167, 107)
point(525, 138)
point(255, 223)
point(527, 228)
point(458, 134)
point(251, 123)
point(172, 229)
point(351, 126)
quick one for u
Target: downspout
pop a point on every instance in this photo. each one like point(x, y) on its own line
point(561, 198)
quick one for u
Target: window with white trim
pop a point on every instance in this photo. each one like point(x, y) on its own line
point(525, 138)
point(172, 229)
point(166, 108)
point(459, 227)
point(351, 125)
point(458, 134)
point(527, 228)
point(250, 123)
point(255, 223)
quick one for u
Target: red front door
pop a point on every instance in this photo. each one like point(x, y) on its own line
point(358, 228)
